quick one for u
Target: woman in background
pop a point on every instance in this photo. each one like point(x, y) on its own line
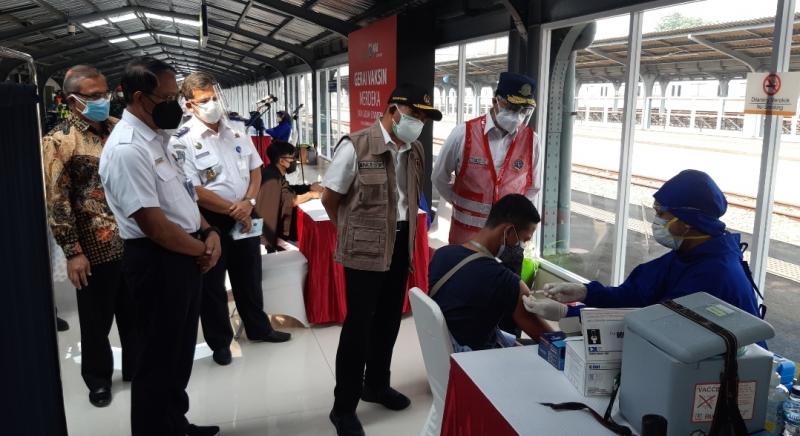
point(284, 128)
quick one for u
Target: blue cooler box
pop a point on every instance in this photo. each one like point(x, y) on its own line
point(671, 366)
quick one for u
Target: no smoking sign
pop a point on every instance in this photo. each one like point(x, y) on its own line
point(771, 84)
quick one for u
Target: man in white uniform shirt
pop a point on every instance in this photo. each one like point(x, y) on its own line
point(168, 246)
point(225, 169)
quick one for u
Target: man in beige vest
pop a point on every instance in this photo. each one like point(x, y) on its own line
point(372, 190)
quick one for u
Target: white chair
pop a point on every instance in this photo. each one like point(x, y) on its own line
point(434, 340)
point(283, 280)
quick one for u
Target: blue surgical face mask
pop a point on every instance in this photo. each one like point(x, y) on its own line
point(95, 110)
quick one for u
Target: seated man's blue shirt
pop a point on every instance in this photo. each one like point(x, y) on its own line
point(477, 296)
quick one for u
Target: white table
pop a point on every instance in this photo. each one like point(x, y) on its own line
point(515, 380)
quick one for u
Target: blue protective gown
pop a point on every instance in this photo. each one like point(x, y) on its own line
point(282, 131)
point(713, 267)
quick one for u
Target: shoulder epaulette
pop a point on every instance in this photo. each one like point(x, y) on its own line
point(182, 131)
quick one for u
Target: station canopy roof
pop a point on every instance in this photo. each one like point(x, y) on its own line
point(247, 39)
point(708, 52)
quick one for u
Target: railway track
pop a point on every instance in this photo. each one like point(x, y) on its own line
point(738, 200)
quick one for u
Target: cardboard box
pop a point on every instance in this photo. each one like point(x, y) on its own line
point(590, 379)
point(603, 331)
point(553, 349)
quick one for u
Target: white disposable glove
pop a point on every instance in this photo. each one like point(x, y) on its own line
point(545, 307)
point(565, 292)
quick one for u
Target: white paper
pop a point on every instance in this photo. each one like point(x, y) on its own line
point(255, 230)
point(603, 332)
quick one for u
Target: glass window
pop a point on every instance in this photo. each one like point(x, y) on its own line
point(344, 100)
point(323, 119)
point(783, 268)
point(445, 94)
point(306, 118)
point(699, 123)
point(485, 60)
point(580, 210)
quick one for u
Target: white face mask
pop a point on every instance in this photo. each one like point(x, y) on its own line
point(508, 120)
point(408, 129)
point(662, 235)
point(209, 112)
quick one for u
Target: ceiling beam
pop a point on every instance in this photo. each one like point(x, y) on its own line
point(751, 63)
point(277, 65)
point(36, 28)
point(304, 54)
point(335, 25)
point(199, 65)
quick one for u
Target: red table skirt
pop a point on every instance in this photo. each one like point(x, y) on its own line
point(325, 286)
point(261, 147)
point(467, 411)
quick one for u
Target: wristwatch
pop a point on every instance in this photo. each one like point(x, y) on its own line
point(252, 201)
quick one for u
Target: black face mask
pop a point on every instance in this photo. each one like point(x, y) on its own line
point(167, 114)
point(292, 168)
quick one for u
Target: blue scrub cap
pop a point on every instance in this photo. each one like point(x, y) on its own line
point(695, 199)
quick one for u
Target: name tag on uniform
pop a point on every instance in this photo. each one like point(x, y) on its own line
point(479, 161)
point(202, 155)
point(371, 165)
point(243, 169)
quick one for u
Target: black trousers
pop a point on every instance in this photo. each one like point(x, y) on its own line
point(104, 298)
point(374, 308)
point(166, 289)
point(242, 261)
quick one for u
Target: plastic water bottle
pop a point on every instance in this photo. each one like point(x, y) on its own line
point(791, 413)
point(773, 421)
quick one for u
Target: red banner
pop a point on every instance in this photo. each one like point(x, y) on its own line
point(372, 54)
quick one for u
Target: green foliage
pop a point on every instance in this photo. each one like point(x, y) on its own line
point(676, 21)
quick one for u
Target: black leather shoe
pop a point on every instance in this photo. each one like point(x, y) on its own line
point(223, 356)
point(100, 397)
point(389, 398)
point(196, 430)
point(347, 424)
point(273, 336)
point(61, 325)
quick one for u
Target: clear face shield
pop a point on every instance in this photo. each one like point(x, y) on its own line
point(523, 113)
point(239, 127)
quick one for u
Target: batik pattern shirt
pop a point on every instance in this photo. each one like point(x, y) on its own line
point(78, 214)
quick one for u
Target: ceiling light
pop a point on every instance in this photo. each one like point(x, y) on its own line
point(157, 17)
point(167, 35)
point(118, 40)
point(184, 39)
point(139, 35)
point(195, 23)
point(95, 23)
point(125, 17)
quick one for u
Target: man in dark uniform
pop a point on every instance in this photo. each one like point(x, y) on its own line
point(372, 191)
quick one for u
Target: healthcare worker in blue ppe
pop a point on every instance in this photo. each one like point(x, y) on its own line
point(703, 257)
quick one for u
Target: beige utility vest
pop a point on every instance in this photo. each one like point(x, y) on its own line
point(367, 217)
